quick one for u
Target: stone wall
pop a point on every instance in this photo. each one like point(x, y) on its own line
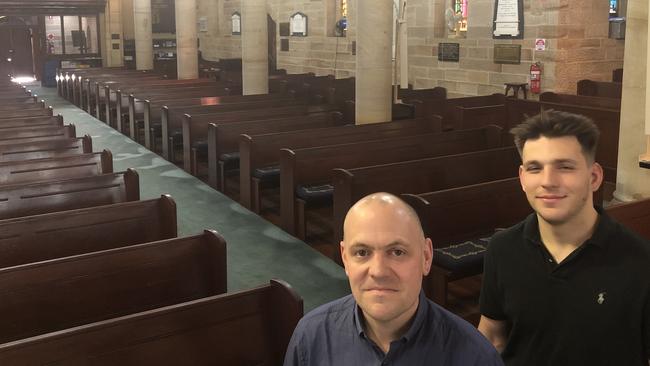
point(576, 32)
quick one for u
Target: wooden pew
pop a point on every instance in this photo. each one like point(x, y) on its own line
point(21, 113)
point(250, 327)
point(37, 198)
point(310, 169)
point(152, 110)
point(617, 75)
point(173, 121)
point(66, 292)
point(260, 154)
point(605, 89)
point(31, 134)
point(73, 166)
point(223, 139)
point(582, 100)
point(61, 234)
point(419, 176)
point(634, 215)
point(20, 107)
point(460, 222)
point(447, 108)
point(195, 127)
point(32, 122)
point(46, 149)
point(22, 100)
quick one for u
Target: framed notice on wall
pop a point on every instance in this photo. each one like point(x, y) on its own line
point(508, 20)
point(163, 16)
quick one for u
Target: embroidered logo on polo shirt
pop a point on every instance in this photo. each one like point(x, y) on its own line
point(601, 298)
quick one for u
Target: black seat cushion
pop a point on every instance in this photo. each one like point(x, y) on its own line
point(461, 256)
point(267, 173)
point(318, 194)
point(230, 160)
point(201, 147)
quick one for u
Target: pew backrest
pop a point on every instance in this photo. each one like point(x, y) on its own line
point(69, 194)
point(61, 234)
point(45, 149)
point(66, 292)
point(251, 327)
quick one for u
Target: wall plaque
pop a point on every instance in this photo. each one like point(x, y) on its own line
point(284, 44)
point(163, 16)
point(507, 54)
point(284, 29)
point(298, 24)
point(449, 52)
point(508, 20)
point(235, 19)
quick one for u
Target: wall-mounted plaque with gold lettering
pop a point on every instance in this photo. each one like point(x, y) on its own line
point(298, 24)
point(507, 54)
point(449, 52)
point(235, 19)
point(284, 29)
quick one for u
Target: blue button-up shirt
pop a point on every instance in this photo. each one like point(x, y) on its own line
point(333, 334)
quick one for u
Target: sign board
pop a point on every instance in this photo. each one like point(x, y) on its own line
point(449, 52)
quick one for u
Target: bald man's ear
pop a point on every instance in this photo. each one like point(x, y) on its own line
point(343, 256)
point(428, 256)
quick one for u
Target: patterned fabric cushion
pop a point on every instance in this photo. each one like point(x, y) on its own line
point(457, 257)
point(267, 173)
point(316, 194)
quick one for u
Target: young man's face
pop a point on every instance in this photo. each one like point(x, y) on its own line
point(385, 258)
point(558, 179)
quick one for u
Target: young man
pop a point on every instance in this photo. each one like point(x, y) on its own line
point(387, 320)
point(567, 286)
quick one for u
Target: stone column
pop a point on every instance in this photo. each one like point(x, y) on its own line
point(632, 182)
point(186, 36)
point(113, 25)
point(142, 32)
point(254, 44)
point(373, 67)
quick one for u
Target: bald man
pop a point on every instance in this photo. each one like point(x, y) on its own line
point(386, 320)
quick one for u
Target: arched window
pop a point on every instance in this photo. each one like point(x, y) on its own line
point(460, 7)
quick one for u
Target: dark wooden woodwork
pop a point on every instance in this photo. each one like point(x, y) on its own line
point(45, 149)
point(251, 327)
point(68, 194)
point(72, 291)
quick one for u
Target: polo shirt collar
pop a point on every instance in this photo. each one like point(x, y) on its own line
point(420, 316)
point(604, 229)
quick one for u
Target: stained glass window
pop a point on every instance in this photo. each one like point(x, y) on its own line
point(460, 6)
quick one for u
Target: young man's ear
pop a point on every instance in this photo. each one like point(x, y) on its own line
point(521, 181)
point(597, 176)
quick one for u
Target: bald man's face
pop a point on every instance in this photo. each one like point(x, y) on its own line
point(385, 256)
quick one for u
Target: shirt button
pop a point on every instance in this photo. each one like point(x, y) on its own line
point(550, 260)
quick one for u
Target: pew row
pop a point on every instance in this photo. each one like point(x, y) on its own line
point(68, 194)
point(66, 233)
point(73, 166)
point(46, 149)
point(66, 292)
point(247, 328)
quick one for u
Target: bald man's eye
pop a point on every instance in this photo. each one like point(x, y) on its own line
point(398, 252)
point(361, 253)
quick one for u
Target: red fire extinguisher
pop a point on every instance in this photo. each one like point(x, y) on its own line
point(536, 78)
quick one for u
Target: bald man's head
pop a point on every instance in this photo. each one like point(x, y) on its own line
point(383, 203)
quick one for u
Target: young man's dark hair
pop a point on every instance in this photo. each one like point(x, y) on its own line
point(552, 123)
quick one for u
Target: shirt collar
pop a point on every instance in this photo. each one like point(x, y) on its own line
point(604, 228)
point(420, 316)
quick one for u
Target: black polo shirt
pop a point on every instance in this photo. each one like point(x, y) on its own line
point(593, 308)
